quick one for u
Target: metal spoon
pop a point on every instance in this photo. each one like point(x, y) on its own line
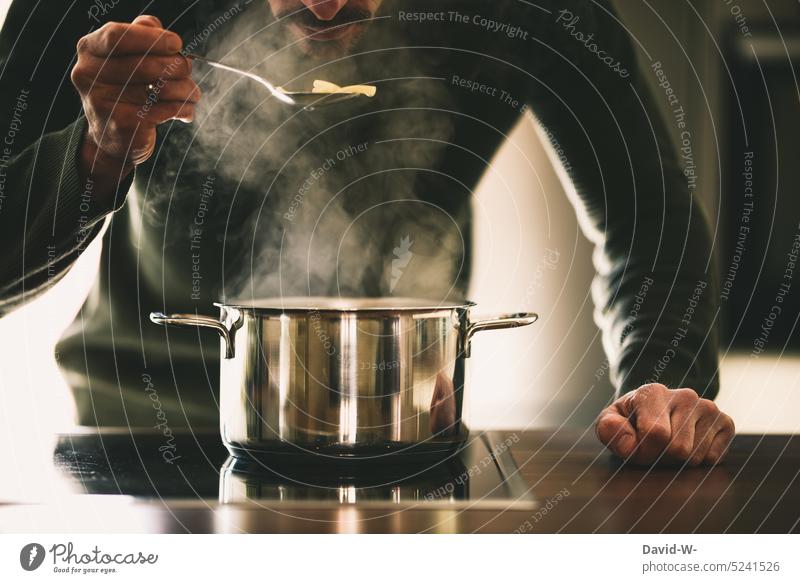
point(302, 99)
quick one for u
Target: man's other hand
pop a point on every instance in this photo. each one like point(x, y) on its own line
point(657, 425)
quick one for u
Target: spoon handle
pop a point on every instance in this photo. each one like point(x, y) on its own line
point(213, 63)
point(280, 95)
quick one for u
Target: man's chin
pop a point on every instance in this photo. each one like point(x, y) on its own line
point(326, 42)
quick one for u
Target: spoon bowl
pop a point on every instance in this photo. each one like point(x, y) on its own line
point(310, 101)
point(305, 100)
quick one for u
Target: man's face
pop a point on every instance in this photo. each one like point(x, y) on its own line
point(325, 27)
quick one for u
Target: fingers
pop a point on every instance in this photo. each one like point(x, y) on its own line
point(722, 440)
point(128, 107)
point(135, 69)
point(682, 421)
point(616, 432)
point(651, 413)
point(132, 77)
point(706, 415)
point(116, 39)
point(147, 20)
point(714, 432)
point(160, 112)
point(655, 424)
point(179, 90)
point(128, 119)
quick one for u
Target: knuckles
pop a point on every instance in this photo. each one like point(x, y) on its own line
point(681, 398)
point(706, 407)
point(149, 18)
point(82, 45)
point(109, 35)
point(605, 427)
point(656, 434)
point(728, 423)
point(684, 396)
point(680, 449)
point(79, 77)
point(649, 392)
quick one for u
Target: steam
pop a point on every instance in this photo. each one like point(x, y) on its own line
point(317, 204)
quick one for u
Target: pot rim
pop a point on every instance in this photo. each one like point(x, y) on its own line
point(305, 305)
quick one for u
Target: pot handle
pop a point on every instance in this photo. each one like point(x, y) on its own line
point(499, 323)
point(196, 321)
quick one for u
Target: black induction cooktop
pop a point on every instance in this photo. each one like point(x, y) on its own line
point(196, 466)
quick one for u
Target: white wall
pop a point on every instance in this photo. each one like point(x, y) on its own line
point(543, 375)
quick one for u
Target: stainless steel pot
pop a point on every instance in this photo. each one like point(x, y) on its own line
point(343, 378)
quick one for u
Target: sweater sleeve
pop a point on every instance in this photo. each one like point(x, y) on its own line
point(655, 289)
point(48, 214)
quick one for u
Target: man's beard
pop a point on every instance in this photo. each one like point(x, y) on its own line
point(306, 24)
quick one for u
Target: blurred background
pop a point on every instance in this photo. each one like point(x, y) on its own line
point(734, 67)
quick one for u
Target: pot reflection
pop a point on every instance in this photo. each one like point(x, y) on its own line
point(243, 481)
point(443, 407)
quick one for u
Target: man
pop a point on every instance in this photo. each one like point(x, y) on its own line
point(217, 190)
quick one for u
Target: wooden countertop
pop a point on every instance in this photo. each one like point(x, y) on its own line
point(579, 486)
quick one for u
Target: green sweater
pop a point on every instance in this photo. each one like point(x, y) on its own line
point(254, 200)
